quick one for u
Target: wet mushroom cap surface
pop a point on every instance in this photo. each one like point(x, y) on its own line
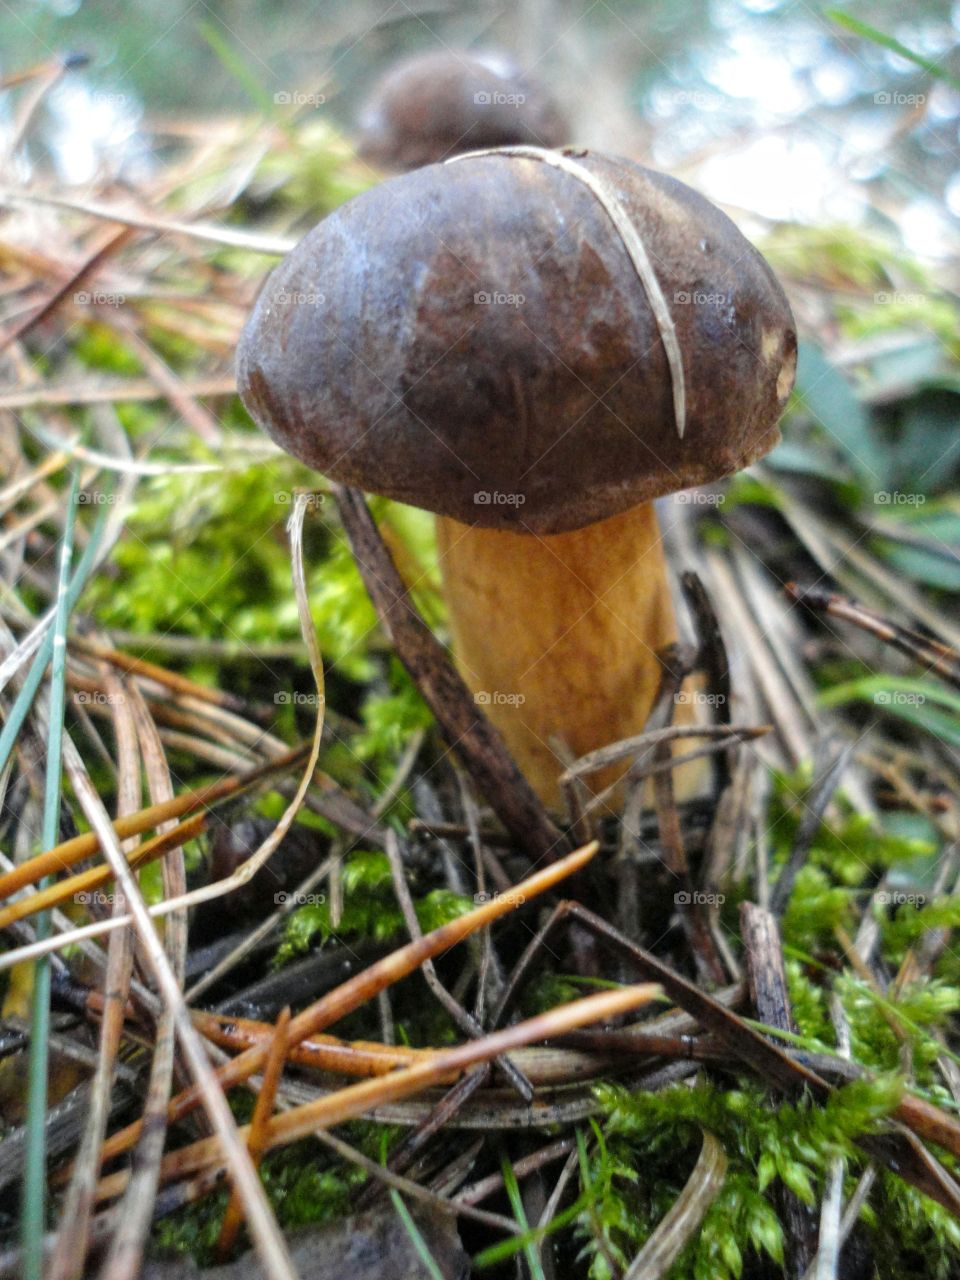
point(473, 338)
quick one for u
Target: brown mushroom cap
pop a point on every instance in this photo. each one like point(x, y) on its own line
point(473, 338)
point(435, 105)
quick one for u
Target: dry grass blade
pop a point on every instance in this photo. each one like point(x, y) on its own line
point(126, 391)
point(111, 246)
point(72, 851)
point(71, 1249)
point(77, 888)
point(644, 743)
point(272, 246)
point(673, 1231)
point(124, 466)
point(75, 1216)
point(263, 1228)
point(248, 869)
point(172, 680)
point(136, 1211)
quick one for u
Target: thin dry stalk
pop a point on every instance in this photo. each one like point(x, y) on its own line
point(263, 1109)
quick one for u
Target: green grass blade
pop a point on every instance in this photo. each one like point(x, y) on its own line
point(413, 1231)
point(34, 1172)
point(235, 66)
point(848, 21)
point(516, 1204)
point(24, 699)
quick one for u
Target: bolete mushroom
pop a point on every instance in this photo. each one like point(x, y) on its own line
point(434, 105)
point(533, 346)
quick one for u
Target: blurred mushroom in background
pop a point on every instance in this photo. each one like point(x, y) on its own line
point(435, 105)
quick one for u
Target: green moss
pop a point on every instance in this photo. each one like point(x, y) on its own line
point(791, 1145)
point(369, 909)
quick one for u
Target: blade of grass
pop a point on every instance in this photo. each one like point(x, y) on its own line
point(530, 1250)
point(235, 66)
point(850, 23)
point(413, 1231)
point(11, 730)
point(34, 1196)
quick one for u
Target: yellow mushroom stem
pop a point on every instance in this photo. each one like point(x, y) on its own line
point(557, 635)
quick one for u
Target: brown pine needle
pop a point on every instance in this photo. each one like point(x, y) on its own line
point(79, 887)
point(357, 1099)
point(364, 986)
point(323, 1053)
point(160, 675)
point(263, 1109)
point(134, 824)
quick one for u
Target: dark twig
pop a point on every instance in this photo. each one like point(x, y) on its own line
point(461, 721)
point(768, 991)
point(929, 653)
point(714, 660)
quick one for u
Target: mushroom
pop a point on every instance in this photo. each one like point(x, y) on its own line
point(534, 347)
point(435, 105)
